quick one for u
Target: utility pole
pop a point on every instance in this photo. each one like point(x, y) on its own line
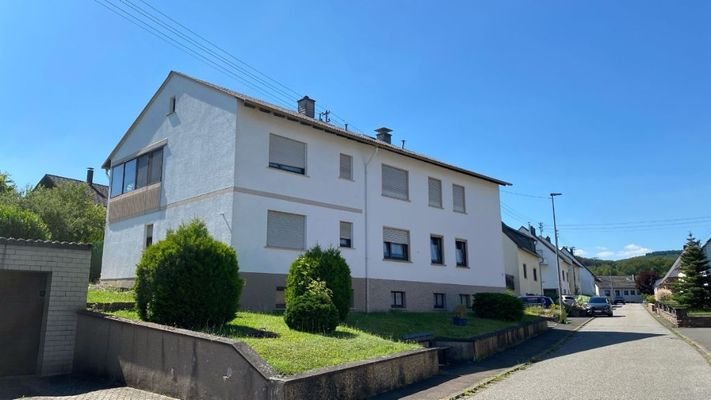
point(557, 259)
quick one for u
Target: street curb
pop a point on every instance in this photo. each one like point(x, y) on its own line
point(706, 354)
point(538, 357)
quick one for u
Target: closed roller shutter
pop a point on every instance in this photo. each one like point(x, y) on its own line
point(286, 230)
point(395, 182)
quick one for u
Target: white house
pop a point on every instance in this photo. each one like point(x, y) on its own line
point(417, 233)
point(585, 279)
point(619, 286)
point(522, 263)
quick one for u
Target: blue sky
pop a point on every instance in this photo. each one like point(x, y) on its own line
point(607, 102)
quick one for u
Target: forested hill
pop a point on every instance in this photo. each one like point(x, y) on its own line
point(658, 261)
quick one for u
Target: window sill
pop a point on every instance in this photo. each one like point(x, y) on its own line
point(346, 248)
point(437, 207)
point(396, 198)
point(397, 260)
point(346, 179)
point(397, 307)
point(460, 212)
point(463, 266)
point(283, 248)
point(438, 264)
point(287, 171)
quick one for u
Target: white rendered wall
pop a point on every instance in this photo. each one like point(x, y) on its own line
point(587, 282)
point(261, 188)
point(198, 160)
point(528, 284)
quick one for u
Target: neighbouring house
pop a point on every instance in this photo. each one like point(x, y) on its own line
point(417, 233)
point(522, 263)
point(615, 286)
point(584, 279)
point(549, 267)
point(100, 193)
point(672, 275)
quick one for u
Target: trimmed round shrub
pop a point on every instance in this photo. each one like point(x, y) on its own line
point(189, 280)
point(326, 266)
point(499, 306)
point(312, 311)
point(21, 224)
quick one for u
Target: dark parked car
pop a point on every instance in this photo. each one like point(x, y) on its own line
point(536, 301)
point(598, 305)
point(619, 300)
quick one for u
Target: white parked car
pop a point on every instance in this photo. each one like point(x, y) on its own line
point(568, 299)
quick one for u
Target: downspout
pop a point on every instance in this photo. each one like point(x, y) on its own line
point(365, 217)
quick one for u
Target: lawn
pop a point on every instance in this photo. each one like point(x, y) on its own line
point(99, 294)
point(699, 313)
point(397, 324)
point(290, 352)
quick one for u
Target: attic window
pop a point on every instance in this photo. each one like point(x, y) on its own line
point(171, 110)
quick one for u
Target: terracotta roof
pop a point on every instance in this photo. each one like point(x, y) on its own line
point(320, 125)
point(44, 243)
point(99, 192)
point(524, 242)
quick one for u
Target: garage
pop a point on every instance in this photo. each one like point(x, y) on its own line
point(22, 307)
point(42, 287)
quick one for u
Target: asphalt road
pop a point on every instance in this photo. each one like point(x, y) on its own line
point(630, 356)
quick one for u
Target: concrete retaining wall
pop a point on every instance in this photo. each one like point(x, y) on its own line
point(191, 365)
point(480, 347)
point(173, 362)
point(363, 379)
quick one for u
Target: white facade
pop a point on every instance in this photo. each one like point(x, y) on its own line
point(216, 168)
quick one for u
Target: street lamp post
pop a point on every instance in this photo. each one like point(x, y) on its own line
point(557, 258)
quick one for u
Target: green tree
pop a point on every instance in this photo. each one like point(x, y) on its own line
point(646, 280)
point(189, 280)
point(692, 287)
point(69, 212)
point(21, 224)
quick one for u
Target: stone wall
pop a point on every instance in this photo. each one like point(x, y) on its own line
point(67, 266)
point(679, 316)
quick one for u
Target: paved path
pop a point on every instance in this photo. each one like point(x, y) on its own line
point(69, 388)
point(627, 357)
point(454, 380)
point(702, 336)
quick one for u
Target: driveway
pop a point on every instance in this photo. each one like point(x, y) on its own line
point(69, 388)
point(630, 356)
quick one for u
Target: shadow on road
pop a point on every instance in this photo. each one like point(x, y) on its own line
point(472, 373)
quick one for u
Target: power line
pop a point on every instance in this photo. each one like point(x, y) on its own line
point(644, 222)
point(178, 35)
point(533, 196)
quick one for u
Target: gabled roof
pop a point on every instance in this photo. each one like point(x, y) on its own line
point(524, 242)
point(303, 119)
point(100, 193)
point(617, 282)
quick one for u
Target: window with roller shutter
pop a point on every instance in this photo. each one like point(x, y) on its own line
point(287, 154)
point(346, 170)
point(286, 230)
point(435, 192)
point(458, 198)
point(395, 183)
point(396, 243)
point(346, 239)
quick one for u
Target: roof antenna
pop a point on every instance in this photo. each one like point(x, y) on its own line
point(403, 143)
point(323, 116)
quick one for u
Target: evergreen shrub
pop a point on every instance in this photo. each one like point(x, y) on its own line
point(326, 266)
point(499, 306)
point(189, 280)
point(313, 311)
